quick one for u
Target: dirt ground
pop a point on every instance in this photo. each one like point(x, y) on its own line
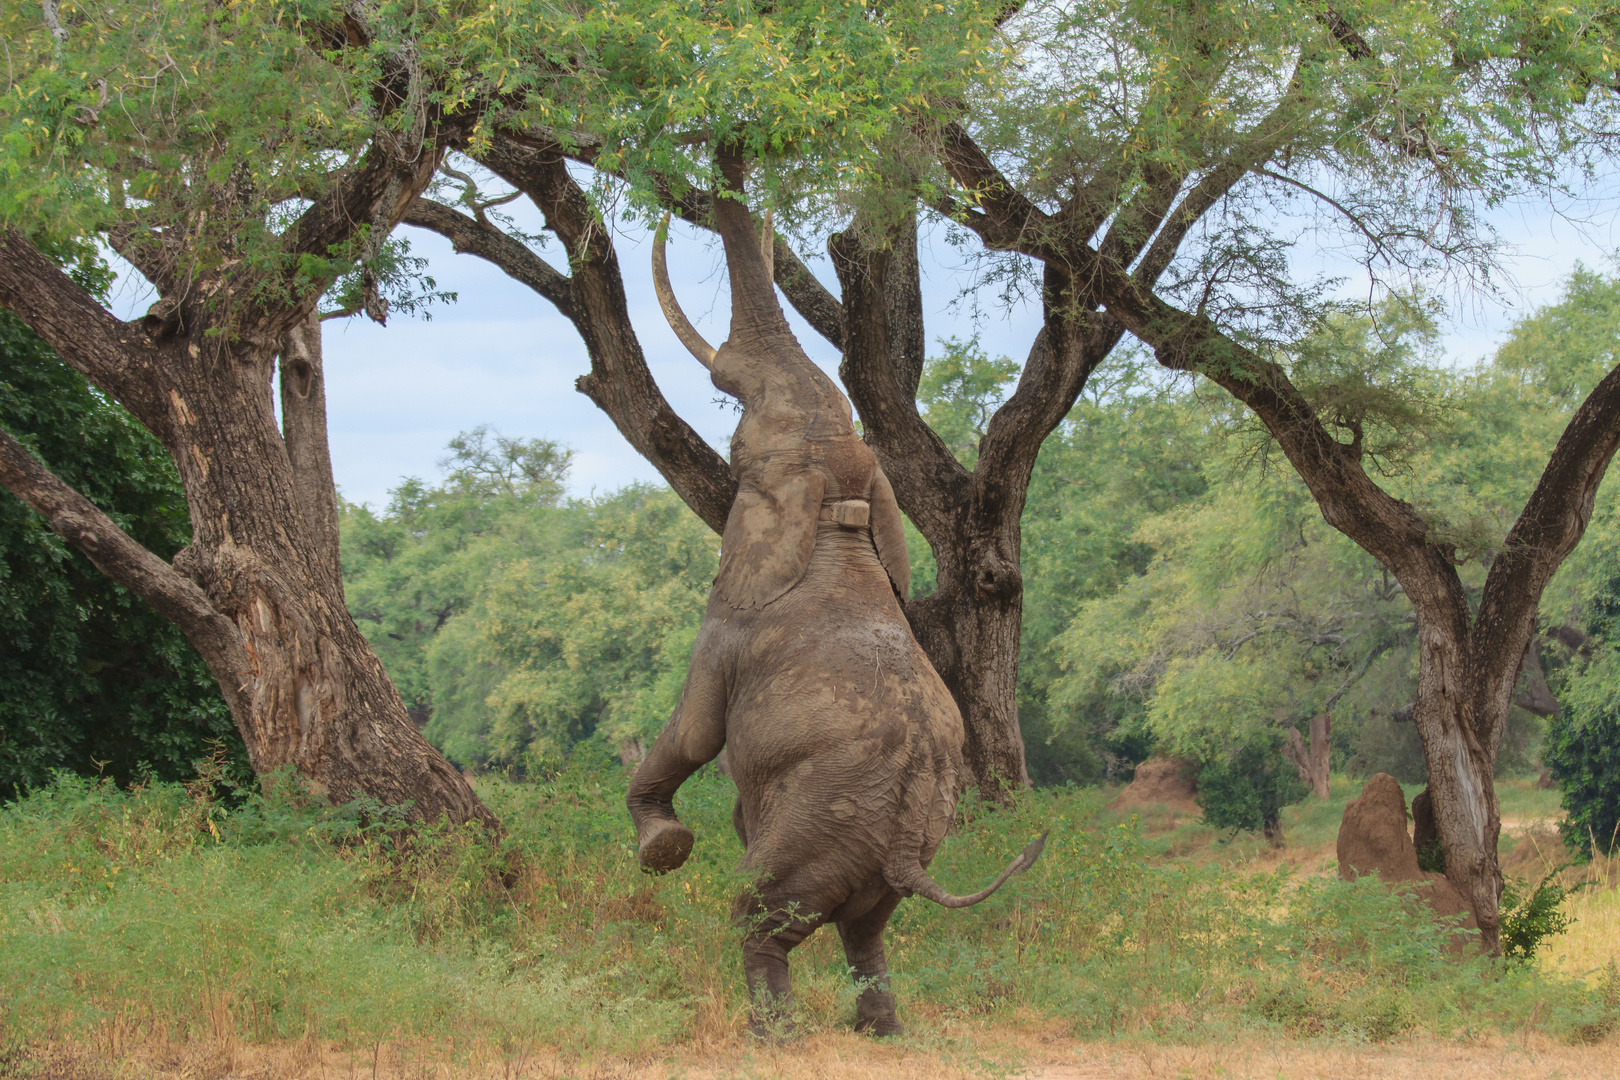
point(991, 1054)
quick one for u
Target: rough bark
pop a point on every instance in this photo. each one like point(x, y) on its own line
point(257, 592)
point(303, 426)
point(1311, 759)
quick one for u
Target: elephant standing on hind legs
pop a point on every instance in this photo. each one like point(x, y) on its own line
point(844, 744)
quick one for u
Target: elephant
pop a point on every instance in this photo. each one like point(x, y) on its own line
point(843, 742)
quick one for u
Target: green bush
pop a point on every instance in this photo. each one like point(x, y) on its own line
point(1531, 916)
point(1583, 755)
point(1246, 791)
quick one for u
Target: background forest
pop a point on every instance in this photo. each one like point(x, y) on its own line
point(1183, 595)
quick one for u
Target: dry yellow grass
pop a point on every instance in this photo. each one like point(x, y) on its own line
point(1012, 1054)
point(1592, 942)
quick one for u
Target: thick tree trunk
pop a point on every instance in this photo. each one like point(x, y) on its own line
point(1453, 704)
point(257, 592)
point(264, 550)
point(970, 626)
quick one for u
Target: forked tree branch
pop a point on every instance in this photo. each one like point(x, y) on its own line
point(116, 356)
point(1072, 342)
point(928, 481)
point(1550, 525)
point(116, 554)
point(1006, 220)
point(517, 260)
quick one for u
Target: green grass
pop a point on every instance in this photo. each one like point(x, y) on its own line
point(160, 909)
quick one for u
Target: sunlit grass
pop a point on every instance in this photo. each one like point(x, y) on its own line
point(160, 912)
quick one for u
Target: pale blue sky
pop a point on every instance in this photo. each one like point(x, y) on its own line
point(503, 356)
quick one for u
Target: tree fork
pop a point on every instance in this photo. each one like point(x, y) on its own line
point(257, 592)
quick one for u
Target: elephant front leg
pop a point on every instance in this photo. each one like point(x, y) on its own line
point(863, 948)
point(692, 738)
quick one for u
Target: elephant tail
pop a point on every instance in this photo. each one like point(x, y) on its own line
point(908, 878)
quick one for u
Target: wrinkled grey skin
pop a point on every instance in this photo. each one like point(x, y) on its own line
point(844, 744)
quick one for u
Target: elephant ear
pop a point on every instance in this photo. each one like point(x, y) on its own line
point(889, 534)
point(769, 536)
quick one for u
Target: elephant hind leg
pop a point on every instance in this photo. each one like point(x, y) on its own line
point(770, 935)
point(863, 948)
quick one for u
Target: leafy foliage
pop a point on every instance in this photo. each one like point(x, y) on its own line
point(411, 570)
point(597, 636)
point(91, 678)
point(1531, 916)
point(1247, 789)
point(517, 625)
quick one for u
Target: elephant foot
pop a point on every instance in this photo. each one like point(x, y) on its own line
point(774, 1027)
point(879, 1027)
point(877, 1017)
point(665, 847)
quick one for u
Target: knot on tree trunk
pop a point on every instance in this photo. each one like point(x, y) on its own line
point(998, 580)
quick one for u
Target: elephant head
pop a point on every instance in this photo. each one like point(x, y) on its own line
point(796, 454)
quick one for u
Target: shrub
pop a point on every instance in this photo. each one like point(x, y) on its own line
point(1582, 751)
point(1247, 791)
point(1529, 918)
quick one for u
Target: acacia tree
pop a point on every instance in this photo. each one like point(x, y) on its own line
point(242, 180)
point(1393, 118)
point(969, 624)
point(1141, 166)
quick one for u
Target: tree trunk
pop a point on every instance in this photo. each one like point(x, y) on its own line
point(264, 550)
point(257, 592)
point(1311, 760)
point(969, 626)
point(1462, 794)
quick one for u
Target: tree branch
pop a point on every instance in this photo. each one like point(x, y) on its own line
point(117, 356)
point(1072, 342)
point(1007, 220)
point(1387, 528)
point(619, 382)
point(1547, 530)
point(78, 521)
point(929, 482)
point(517, 260)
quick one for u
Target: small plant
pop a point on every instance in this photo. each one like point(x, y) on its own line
point(1528, 919)
point(1431, 857)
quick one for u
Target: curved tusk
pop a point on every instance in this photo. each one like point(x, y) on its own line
point(767, 248)
point(678, 321)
